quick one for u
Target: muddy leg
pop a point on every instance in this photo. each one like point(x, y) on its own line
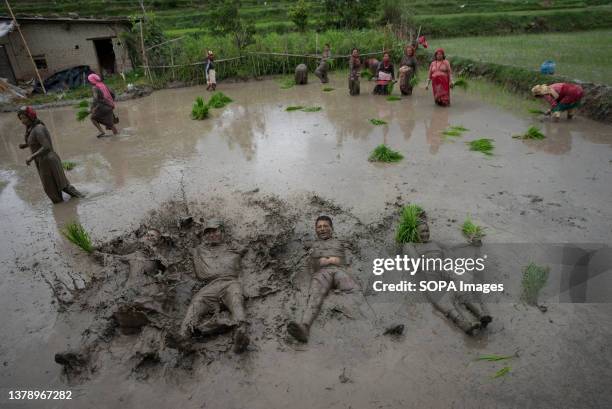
point(200, 305)
point(234, 302)
point(450, 310)
point(480, 311)
point(114, 129)
point(72, 191)
point(318, 292)
point(97, 125)
point(571, 113)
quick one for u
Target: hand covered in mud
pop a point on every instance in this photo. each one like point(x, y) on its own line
point(23, 145)
point(29, 160)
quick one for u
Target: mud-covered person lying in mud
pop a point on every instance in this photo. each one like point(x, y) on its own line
point(329, 265)
point(218, 263)
point(469, 314)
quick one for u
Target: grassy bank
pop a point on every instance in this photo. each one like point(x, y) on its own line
point(586, 56)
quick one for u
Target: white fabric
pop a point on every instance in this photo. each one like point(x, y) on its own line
point(212, 77)
point(383, 76)
point(5, 28)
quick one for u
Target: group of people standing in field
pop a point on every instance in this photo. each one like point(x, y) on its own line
point(383, 72)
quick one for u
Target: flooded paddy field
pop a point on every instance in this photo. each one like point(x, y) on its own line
point(556, 190)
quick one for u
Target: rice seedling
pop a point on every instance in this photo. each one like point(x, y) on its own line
point(389, 87)
point(532, 133)
point(366, 74)
point(502, 372)
point(375, 121)
point(328, 89)
point(75, 232)
point(534, 279)
point(414, 80)
point(393, 98)
point(494, 358)
point(382, 153)
point(472, 231)
point(483, 145)
point(82, 114)
point(312, 109)
point(199, 110)
point(219, 100)
point(82, 104)
point(461, 83)
point(454, 131)
point(536, 111)
point(294, 108)
point(287, 83)
point(68, 165)
point(407, 230)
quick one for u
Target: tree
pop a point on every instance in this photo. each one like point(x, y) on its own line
point(224, 19)
point(349, 13)
point(299, 15)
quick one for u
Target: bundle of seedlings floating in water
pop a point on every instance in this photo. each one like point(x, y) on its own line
point(454, 131)
point(219, 100)
point(382, 153)
point(407, 231)
point(294, 108)
point(328, 89)
point(393, 98)
point(472, 231)
point(532, 133)
point(375, 121)
point(76, 234)
point(534, 279)
point(312, 109)
point(199, 110)
point(461, 83)
point(483, 145)
point(68, 165)
point(287, 83)
point(536, 111)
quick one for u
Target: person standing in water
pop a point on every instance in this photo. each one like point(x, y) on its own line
point(440, 76)
point(103, 106)
point(211, 75)
point(48, 163)
point(407, 70)
point(354, 72)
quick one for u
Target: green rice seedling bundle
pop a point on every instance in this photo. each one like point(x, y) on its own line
point(82, 114)
point(312, 109)
point(382, 153)
point(287, 83)
point(536, 111)
point(534, 279)
point(502, 372)
point(366, 74)
point(483, 145)
point(68, 165)
point(461, 83)
point(82, 104)
point(294, 108)
point(407, 231)
point(472, 231)
point(389, 87)
point(454, 131)
point(76, 234)
point(375, 121)
point(393, 98)
point(414, 81)
point(532, 133)
point(219, 100)
point(328, 89)
point(199, 110)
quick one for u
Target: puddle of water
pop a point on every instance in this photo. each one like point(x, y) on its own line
point(254, 142)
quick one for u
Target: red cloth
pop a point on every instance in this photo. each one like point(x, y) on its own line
point(568, 94)
point(29, 112)
point(423, 41)
point(441, 89)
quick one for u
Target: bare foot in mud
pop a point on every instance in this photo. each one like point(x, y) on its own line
point(298, 331)
point(101, 135)
point(473, 329)
point(485, 320)
point(241, 340)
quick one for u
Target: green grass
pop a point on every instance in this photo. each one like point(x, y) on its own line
point(76, 234)
point(68, 165)
point(375, 121)
point(471, 230)
point(328, 89)
point(382, 153)
point(82, 114)
point(219, 100)
point(393, 98)
point(407, 230)
point(532, 133)
point(294, 108)
point(534, 279)
point(199, 110)
point(312, 109)
point(573, 58)
point(483, 145)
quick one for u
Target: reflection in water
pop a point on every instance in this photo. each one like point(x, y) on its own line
point(558, 139)
point(438, 123)
point(243, 125)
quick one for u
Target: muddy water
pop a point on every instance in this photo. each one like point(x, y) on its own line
point(161, 154)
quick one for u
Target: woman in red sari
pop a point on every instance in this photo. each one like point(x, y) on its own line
point(440, 77)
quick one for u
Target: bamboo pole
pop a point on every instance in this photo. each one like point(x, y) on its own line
point(26, 46)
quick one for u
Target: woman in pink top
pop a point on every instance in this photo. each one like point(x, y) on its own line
point(561, 97)
point(440, 77)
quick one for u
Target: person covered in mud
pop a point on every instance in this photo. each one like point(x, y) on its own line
point(562, 97)
point(354, 72)
point(385, 74)
point(209, 71)
point(48, 163)
point(218, 264)
point(301, 74)
point(329, 265)
point(407, 70)
point(469, 315)
point(102, 106)
point(323, 68)
point(440, 76)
